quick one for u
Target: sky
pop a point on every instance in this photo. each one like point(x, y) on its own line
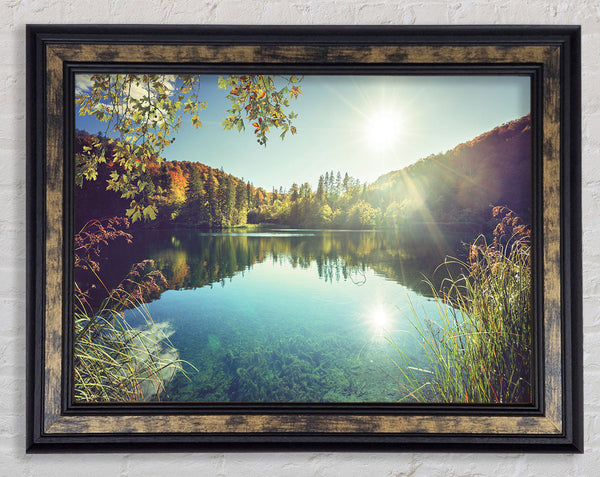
point(364, 125)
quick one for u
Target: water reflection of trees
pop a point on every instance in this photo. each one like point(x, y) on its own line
point(192, 260)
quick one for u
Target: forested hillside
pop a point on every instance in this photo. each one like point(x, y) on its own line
point(461, 185)
point(457, 187)
point(185, 193)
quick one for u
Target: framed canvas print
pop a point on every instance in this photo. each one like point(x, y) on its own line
point(304, 237)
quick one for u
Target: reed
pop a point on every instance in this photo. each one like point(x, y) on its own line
point(116, 362)
point(112, 360)
point(479, 346)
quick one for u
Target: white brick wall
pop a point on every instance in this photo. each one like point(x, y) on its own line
point(14, 14)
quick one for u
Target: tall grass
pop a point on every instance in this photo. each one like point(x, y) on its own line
point(112, 360)
point(115, 362)
point(478, 348)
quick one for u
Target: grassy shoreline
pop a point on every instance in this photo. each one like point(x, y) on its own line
point(479, 347)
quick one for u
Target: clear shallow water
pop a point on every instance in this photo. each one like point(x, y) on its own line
point(286, 316)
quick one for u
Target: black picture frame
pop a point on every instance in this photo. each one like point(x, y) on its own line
point(549, 54)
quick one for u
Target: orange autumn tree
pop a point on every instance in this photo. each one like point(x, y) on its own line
point(142, 113)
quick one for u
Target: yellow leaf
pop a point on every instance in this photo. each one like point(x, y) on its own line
point(196, 122)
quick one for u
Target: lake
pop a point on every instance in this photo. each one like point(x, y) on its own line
point(285, 315)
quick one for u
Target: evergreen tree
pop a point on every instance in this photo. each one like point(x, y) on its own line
point(320, 190)
point(230, 201)
point(305, 190)
point(240, 209)
point(241, 202)
point(330, 186)
point(294, 192)
point(249, 196)
point(211, 198)
point(195, 183)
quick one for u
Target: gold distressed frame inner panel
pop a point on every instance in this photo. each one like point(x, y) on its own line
point(55, 423)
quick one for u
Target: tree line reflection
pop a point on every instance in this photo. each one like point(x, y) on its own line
point(189, 259)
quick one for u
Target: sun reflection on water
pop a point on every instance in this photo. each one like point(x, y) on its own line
point(380, 321)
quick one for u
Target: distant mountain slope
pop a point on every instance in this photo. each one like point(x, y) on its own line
point(461, 185)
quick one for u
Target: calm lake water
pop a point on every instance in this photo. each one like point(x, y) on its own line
point(290, 315)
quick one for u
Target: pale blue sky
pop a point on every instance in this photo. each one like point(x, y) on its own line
point(363, 125)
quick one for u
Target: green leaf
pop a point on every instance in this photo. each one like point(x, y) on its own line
point(150, 212)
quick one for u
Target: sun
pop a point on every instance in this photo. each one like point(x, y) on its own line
point(383, 128)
